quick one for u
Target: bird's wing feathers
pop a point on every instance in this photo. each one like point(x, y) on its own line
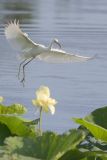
point(60, 56)
point(21, 41)
point(17, 38)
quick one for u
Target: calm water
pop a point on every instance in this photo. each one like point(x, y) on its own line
point(81, 27)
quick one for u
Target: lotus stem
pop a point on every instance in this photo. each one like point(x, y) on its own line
point(40, 122)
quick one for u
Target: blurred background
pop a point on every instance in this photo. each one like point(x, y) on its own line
point(79, 88)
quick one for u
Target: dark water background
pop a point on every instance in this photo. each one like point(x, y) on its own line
point(81, 27)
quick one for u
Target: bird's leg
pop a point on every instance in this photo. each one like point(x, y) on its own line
point(20, 68)
point(54, 41)
point(23, 79)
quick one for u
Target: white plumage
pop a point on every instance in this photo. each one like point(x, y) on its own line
point(30, 50)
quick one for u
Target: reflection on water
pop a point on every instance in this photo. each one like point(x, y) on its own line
point(16, 10)
point(81, 27)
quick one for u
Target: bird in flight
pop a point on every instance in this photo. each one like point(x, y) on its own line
point(31, 50)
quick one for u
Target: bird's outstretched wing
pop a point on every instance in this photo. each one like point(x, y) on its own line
point(18, 39)
point(60, 56)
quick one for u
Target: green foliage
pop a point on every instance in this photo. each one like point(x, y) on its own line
point(20, 140)
point(76, 154)
point(98, 116)
point(13, 109)
point(17, 125)
point(33, 122)
point(16, 157)
point(49, 146)
point(96, 123)
point(4, 132)
point(53, 146)
point(97, 131)
point(11, 124)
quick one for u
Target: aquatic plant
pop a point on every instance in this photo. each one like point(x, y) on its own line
point(21, 139)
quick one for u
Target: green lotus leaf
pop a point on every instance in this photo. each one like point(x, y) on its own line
point(49, 146)
point(12, 109)
point(77, 154)
point(16, 126)
point(97, 131)
point(98, 116)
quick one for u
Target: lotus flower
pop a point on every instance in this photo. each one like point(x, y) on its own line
point(43, 100)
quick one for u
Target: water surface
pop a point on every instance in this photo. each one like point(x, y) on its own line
point(81, 27)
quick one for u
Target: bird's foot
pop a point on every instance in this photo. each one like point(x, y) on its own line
point(23, 81)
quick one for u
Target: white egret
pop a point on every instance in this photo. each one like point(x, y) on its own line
point(31, 50)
